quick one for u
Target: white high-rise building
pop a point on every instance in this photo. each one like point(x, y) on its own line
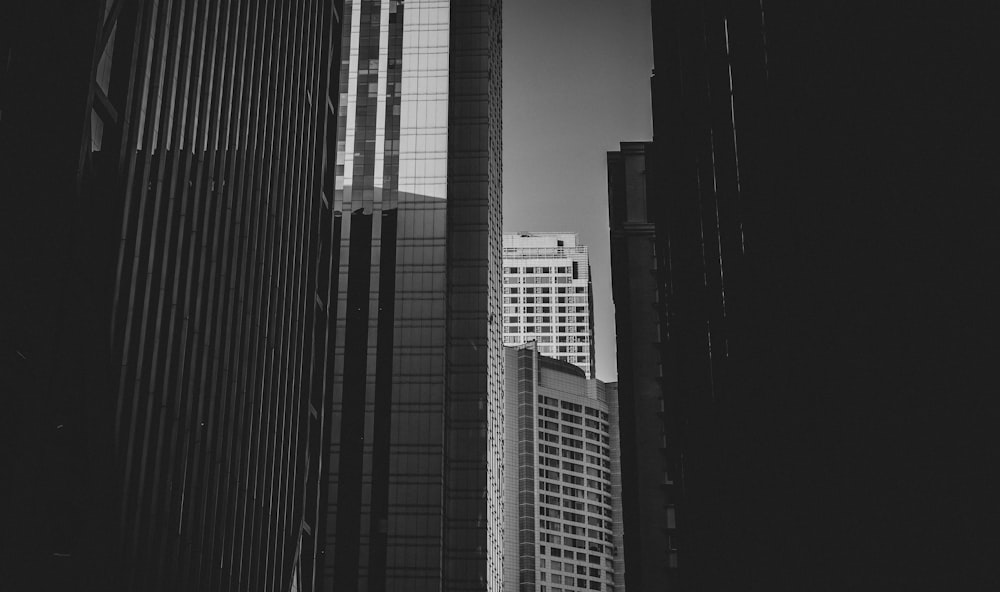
point(562, 478)
point(547, 296)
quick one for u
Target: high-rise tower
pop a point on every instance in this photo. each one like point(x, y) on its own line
point(802, 319)
point(564, 530)
point(682, 214)
point(166, 281)
point(415, 456)
point(548, 296)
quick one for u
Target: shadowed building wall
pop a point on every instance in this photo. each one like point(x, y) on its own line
point(165, 328)
point(795, 260)
point(697, 234)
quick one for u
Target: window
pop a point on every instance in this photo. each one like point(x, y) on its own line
point(546, 511)
point(573, 517)
point(572, 442)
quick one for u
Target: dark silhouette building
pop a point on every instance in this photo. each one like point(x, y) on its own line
point(798, 323)
point(166, 173)
point(416, 450)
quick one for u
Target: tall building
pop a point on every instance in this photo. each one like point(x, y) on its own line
point(687, 240)
point(795, 293)
point(565, 532)
point(547, 296)
point(416, 450)
point(166, 262)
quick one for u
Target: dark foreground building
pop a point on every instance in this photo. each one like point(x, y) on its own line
point(167, 174)
point(799, 327)
point(416, 450)
point(251, 327)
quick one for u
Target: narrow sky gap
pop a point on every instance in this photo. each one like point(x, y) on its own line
point(576, 83)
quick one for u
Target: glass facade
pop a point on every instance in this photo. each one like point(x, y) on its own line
point(416, 382)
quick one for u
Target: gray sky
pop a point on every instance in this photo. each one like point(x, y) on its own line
point(576, 83)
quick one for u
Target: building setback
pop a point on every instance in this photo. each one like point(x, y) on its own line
point(548, 296)
point(164, 319)
point(564, 531)
point(416, 448)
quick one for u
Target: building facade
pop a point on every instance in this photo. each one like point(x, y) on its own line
point(565, 533)
point(416, 446)
point(651, 454)
point(806, 233)
point(165, 324)
point(548, 296)
point(688, 247)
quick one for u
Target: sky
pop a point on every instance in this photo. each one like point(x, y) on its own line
point(575, 84)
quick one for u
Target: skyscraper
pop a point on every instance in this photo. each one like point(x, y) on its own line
point(167, 255)
point(416, 449)
point(548, 296)
point(686, 255)
point(798, 299)
point(564, 532)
